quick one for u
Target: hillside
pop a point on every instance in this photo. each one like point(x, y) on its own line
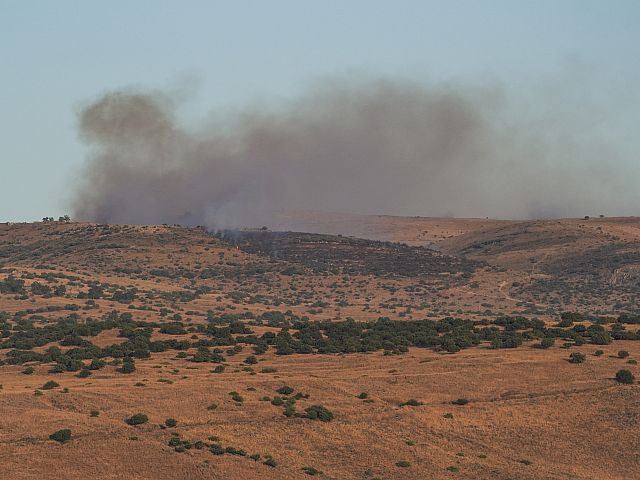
point(371, 347)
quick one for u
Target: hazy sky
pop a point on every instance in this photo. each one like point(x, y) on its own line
point(56, 56)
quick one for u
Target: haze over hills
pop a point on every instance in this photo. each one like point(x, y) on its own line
point(363, 240)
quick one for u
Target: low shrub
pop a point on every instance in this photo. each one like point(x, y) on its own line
point(625, 377)
point(137, 419)
point(61, 436)
point(319, 412)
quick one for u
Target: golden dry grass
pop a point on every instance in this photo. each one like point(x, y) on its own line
point(531, 414)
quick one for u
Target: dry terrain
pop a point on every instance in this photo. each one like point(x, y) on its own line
point(373, 347)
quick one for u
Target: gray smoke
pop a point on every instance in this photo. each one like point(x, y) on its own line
point(378, 146)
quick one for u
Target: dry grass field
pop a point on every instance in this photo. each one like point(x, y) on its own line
point(414, 348)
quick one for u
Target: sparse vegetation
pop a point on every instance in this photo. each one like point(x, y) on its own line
point(137, 419)
point(625, 377)
point(61, 436)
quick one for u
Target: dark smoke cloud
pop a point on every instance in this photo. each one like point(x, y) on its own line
point(381, 146)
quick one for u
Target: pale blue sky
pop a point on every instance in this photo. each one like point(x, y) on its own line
point(55, 55)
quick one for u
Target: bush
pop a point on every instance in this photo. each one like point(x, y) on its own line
point(286, 390)
point(601, 338)
point(171, 422)
point(403, 464)
point(319, 412)
point(546, 342)
point(412, 402)
point(311, 471)
point(460, 401)
point(363, 396)
point(625, 376)
point(251, 360)
point(216, 449)
point(236, 397)
point(28, 370)
point(577, 357)
point(137, 419)
point(623, 354)
point(598, 353)
point(61, 436)
point(270, 462)
point(128, 365)
point(50, 384)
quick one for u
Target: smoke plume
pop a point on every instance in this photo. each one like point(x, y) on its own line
point(377, 146)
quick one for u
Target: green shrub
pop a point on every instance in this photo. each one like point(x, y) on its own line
point(363, 396)
point(171, 422)
point(623, 354)
point(625, 376)
point(251, 360)
point(460, 401)
point(137, 419)
point(412, 402)
point(270, 462)
point(28, 371)
point(311, 471)
point(236, 397)
point(216, 449)
point(50, 385)
point(601, 338)
point(319, 412)
point(61, 436)
point(174, 441)
point(577, 357)
point(286, 390)
point(546, 342)
point(598, 353)
point(128, 365)
point(403, 464)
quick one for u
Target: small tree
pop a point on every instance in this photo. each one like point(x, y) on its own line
point(171, 422)
point(137, 419)
point(251, 360)
point(546, 342)
point(61, 436)
point(286, 390)
point(625, 376)
point(319, 412)
point(577, 357)
point(128, 365)
point(50, 385)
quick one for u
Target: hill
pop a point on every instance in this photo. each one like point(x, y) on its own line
point(370, 347)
